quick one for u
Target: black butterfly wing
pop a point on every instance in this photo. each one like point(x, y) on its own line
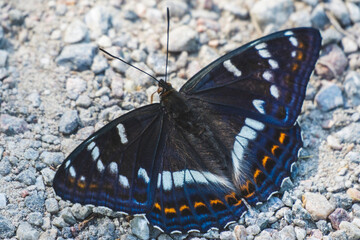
point(265, 79)
point(261, 155)
point(116, 166)
point(192, 193)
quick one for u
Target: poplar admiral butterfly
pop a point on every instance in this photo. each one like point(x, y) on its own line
point(190, 162)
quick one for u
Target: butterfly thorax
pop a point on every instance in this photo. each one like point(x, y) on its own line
point(195, 128)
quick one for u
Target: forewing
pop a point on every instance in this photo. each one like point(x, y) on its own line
point(114, 167)
point(265, 79)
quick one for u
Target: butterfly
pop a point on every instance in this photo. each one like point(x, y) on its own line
point(190, 162)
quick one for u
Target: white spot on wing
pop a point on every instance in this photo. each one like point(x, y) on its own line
point(293, 54)
point(259, 105)
point(82, 179)
point(248, 133)
point(166, 180)
point(123, 181)
point(274, 64)
point(293, 41)
point(67, 163)
point(267, 75)
point(288, 33)
point(231, 68)
point(274, 91)
point(254, 124)
point(143, 174)
point(100, 166)
point(91, 146)
point(264, 53)
point(72, 172)
point(261, 46)
point(113, 168)
point(95, 153)
point(122, 133)
point(179, 178)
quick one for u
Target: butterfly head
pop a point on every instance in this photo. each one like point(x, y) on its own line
point(164, 88)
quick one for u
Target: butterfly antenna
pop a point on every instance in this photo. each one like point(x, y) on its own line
point(167, 42)
point(129, 64)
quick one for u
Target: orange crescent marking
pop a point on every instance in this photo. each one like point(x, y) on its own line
point(157, 205)
point(81, 184)
point(301, 45)
point(93, 186)
point(256, 174)
point(299, 56)
point(282, 138)
point(199, 204)
point(216, 201)
point(170, 210)
point(295, 66)
point(273, 149)
point(249, 195)
point(184, 207)
point(264, 161)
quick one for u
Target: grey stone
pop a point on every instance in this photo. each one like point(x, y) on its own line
point(106, 229)
point(352, 231)
point(48, 138)
point(67, 215)
point(3, 58)
point(26, 232)
point(31, 154)
point(48, 176)
point(117, 87)
point(35, 99)
point(353, 156)
point(7, 229)
point(59, 222)
point(287, 233)
point(312, 3)
point(177, 8)
point(35, 202)
point(227, 235)
point(339, 235)
point(83, 101)
point(50, 234)
point(51, 205)
point(69, 122)
point(317, 205)
point(341, 200)
point(323, 226)
point(354, 11)
point(329, 97)
point(349, 45)
point(12, 125)
point(253, 230)
point(35, 218)
point(52, 158)
point(104, 42)
point(75, 86)
point(39, 183)
point(27, 176)
point(300, 233)
point(352, 87)
point(338, 8)
point(77, 56)
point(3, 200)
point(16, 17)
point(331, 35)
point(99, 64)
point(98, 20)
point(299, 211)
point(350, 133)
point(81, 212)
point(2, 38)
point(140, 228)
point(273, 204)
point(75, 32)
point(5, 167)
point(275, 12)
point(157, 63)
point(301, 18)
point(186, 39)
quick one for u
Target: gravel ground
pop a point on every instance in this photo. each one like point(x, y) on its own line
point(57, 89)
